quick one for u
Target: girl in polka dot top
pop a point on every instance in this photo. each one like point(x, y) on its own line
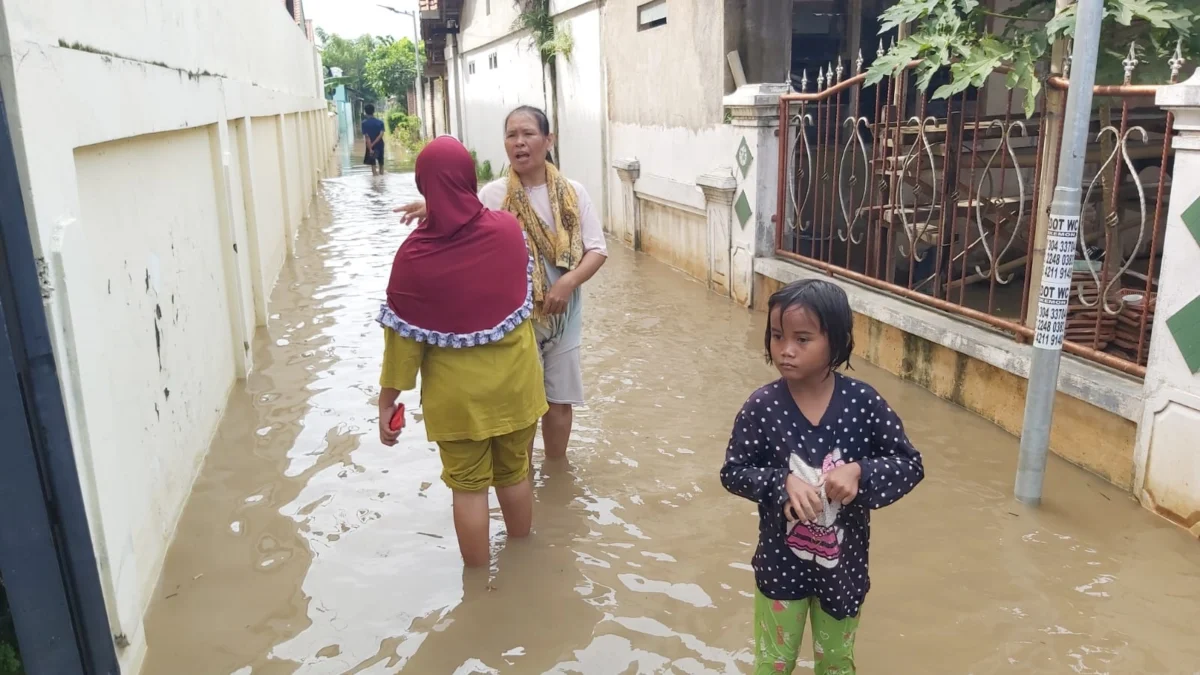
point(817, 451)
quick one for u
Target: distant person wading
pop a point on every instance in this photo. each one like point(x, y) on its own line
point(372, 130)
point(564, 234)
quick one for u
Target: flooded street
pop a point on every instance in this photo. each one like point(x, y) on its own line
point(308, 547)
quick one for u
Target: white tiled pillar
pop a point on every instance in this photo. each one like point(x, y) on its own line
point(754, 113)
point(628, 221)
point(1167, 459)
point(719, 188)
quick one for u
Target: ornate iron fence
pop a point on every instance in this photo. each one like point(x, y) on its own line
point(941, 201)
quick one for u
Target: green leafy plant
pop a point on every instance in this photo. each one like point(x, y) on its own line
point(394, 119)
point(483, 170)
point(406, 130)
point(391, 68)
point(351, 56)
point(954, 35)
point(10, 664)
point(551, 41)
point(10, 661)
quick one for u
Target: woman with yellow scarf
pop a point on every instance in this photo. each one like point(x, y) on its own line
point(565, 235)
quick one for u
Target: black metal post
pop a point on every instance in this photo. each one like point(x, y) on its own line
point(46, 555)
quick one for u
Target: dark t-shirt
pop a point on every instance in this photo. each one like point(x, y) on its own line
point(825, 559)
point(372, 127)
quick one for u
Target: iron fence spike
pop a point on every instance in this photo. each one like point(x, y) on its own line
point(1130, 62)
point(1176, 61)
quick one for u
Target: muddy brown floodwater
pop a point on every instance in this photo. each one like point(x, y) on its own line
point(308, 547)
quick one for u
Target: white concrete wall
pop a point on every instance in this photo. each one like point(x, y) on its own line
point(483, 22)
point(666, 86)
point(582, 103)
point(441, 122)
point(489, 94)
point(269, 185)
point(152, 319)
point(1167, 460)
point(652, 95)
point(167, 152)
point(454, 84)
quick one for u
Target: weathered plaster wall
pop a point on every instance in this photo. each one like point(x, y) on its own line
point(675, 236)
point(671, 75)
point(665, 97)
point(153, 299)
point(167, 153)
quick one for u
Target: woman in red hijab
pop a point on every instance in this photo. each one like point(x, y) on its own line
point(457, 312)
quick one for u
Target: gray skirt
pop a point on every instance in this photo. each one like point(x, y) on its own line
point(559, 340)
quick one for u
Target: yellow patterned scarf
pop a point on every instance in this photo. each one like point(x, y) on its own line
point(562, 245)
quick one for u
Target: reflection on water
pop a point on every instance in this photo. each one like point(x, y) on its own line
point(308, 547)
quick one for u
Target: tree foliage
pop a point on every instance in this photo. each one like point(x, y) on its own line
point(954, 34)
point(549, 40)
point(10, 661)
point(375, 67)
point(351, 56)
point(391, 68)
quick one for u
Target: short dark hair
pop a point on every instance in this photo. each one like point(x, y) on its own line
point(828, 303)
point(539, 116)
point(369, 109)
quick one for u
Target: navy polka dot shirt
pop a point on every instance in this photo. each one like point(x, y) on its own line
point(826, 558)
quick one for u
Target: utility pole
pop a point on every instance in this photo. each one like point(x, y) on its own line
point(1061, 241)
point(1051, 130)
point(417, 60)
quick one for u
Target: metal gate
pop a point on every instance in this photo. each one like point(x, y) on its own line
point(46, 556)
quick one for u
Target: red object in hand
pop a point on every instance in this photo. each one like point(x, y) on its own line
point(397, 422)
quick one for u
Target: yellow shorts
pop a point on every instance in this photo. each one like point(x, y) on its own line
point(502, 461)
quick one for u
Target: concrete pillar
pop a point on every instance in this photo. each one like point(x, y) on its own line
point(260, 290)
point(285, 159)
point(455, 65)
point(1167, 478)
point(231, 249)
point(303, 162)
point(719, 188)
point(754, 111)
point(629, 224)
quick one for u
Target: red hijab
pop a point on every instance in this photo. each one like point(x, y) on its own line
point(462, 277)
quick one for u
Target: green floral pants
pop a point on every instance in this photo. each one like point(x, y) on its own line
point(779, 629)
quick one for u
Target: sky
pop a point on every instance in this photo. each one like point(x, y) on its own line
point(351, 18)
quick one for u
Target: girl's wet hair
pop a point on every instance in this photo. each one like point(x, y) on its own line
point(828, 304)
point(539, 117)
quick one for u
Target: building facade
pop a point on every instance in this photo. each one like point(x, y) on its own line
point(932, 212)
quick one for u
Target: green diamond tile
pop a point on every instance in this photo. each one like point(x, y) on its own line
point(744, 157)
point(742, 208)
point(1191, 220)
point(1185, 328)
